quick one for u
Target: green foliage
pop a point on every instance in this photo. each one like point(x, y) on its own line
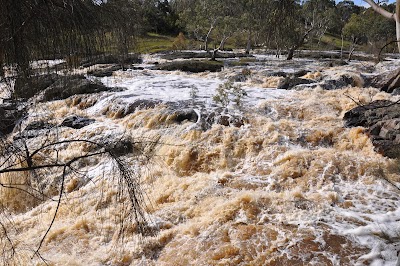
point(369, 27)
point(153, 43)
point(229, 92)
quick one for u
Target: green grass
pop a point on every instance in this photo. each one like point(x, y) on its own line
point(334, 42)
point(153, 43)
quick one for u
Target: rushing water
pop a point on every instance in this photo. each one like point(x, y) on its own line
point(291, 186)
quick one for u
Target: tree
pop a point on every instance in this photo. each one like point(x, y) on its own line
point(393, 16)
point(317, 15)
point(366, 28)
point(36, 171)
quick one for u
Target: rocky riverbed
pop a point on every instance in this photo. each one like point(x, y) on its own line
point(250, 165)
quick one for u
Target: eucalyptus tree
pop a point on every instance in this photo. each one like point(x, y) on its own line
point(316, 17)
point(393, 16)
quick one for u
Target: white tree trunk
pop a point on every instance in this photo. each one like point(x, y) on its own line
point(398, 23)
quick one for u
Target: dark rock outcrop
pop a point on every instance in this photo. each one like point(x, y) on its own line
point(77, 122)
point(185, 115)
point(120, 147)
point(35, 129)
point(338, 83)
point(194, 66)
point(140, 104)
point(111, 59)
point(27, 87)
point(106, 71)
point(201, 54)
point(290, 82)
point(10, 114)
point(388, 81)
point(382, 119)
point(68, 86)
point(370, 114)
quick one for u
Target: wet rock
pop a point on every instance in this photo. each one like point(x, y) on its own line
point(382, 118)
point(201, 54)
point(388, 81)
point(111, 59)
point(185, 115)
point(68, 86)
point(290, 82)
point(35, 129)
point(194, 66)
point(370, 114)
point(77, 122)
point(140, 104)
point(106, 71)
point(10, 114)
point(277, 74)
point(121, 148)
point(335, 63)
point(26, 88)
point(338, 83)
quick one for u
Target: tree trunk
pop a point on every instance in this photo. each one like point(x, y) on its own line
point(341, 47)
point(398, 24)
point(222, 44)
point(387, 14)
point(248, 45)
point(290, 53)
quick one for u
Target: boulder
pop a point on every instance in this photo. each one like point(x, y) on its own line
point(10, 114)
point(68, 86)
point(106, 71)
point(111, 59)
point(35, 129)
point(388, 81)
point(27, 87)
point(185, 115)
point(382, 119)
point(140, 104)
point(194, 66)
point(290, 82)
point(338, 82)
point(120, 148)
point(77, 122)
point(370, 114)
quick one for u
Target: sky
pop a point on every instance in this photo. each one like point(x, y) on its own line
point(362, 3)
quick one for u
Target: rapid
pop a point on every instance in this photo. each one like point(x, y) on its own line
point(278, 180)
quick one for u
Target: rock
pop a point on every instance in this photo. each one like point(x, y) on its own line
point(120, 148)
point(10, 114)
point(200, 54)
point(185, 114)
point(388, 81)
point(26, 88)
point(277, 74)
point(104, 71)
point(289, 82)
point(140, 104)
point(337, 83)
point(382, 118)
point(370, 114)
point(34, 129)
point(39, 125)
point(335, 63)
point(77, 122)
point(111, 59)
point(194, 66)
point(68, 86)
